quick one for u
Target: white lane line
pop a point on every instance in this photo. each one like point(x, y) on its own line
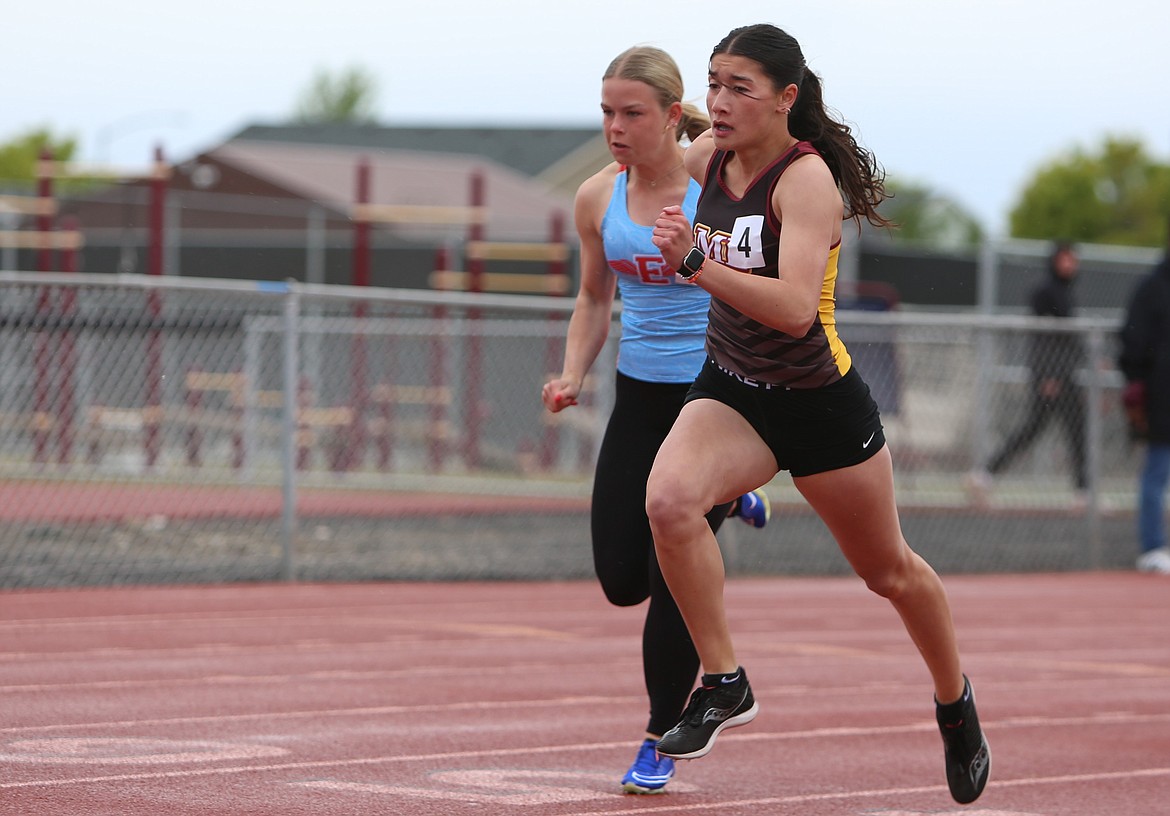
point(1032, 781)
point(516, 788)
point(131, 751)
point(820, 733)
point(323, 714)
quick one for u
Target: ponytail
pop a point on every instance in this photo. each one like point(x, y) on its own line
point(692, 123)
point(856, 171)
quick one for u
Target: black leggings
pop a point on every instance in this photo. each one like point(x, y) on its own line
point(623, 549)
point(1068, 409)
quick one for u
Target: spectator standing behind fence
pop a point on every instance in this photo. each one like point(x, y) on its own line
point(778, 390)
point(1145, 362)
point(1054, 359)
point(661, 350)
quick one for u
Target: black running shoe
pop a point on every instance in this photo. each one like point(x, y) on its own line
point(721, 702)
point(968, 757)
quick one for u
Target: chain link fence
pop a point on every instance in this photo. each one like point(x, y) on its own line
point(157, 430)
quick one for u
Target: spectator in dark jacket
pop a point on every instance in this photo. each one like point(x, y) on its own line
point(1145, 362)
point(1054, 358)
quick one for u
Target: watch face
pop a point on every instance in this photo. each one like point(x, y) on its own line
point(694, 260)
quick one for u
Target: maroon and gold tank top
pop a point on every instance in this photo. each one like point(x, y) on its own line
point(744, 233)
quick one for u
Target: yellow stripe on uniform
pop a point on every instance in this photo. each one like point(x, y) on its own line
point(828, 313)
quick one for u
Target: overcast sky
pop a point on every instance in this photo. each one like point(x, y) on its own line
point(969, 97)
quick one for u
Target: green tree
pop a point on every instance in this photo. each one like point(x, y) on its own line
point(924, 216)
point(1116, 194)
point(19, 156)
point(343, 97)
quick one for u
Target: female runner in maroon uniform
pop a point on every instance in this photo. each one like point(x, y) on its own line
point(779, 391)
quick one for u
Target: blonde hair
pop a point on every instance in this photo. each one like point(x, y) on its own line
point(656, 68)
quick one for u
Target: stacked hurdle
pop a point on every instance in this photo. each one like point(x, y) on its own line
point(473, 278)
point(54, 350)
point(52, 397)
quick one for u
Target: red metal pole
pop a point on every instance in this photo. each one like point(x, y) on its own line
point(475, 409)
point(361, 227)
point(158, 203)
point(475, 264)
point(45, 217)
point(154, 340)
point(42, 346)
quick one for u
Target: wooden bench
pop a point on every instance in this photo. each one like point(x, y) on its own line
point(332, 429)
point(436, 429)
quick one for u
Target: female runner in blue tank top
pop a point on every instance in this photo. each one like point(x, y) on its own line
point(779, 391)
point(661, 350)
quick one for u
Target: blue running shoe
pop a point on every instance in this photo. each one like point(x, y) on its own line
point(753, 508)
point(650, 772)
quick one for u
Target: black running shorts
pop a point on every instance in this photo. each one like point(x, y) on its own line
point(809, 431)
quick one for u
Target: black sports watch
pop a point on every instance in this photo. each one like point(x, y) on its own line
point(692, 263)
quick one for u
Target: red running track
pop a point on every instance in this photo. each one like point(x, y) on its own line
point(492, 699)
point(78, 502)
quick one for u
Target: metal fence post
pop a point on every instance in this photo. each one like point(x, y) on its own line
point(1094, 440)
point(988, 274)
point(288, 430)
point(249, 421)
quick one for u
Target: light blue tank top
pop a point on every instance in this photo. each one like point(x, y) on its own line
point(664, 322)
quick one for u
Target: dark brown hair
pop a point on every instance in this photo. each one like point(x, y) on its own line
point(856, 171)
